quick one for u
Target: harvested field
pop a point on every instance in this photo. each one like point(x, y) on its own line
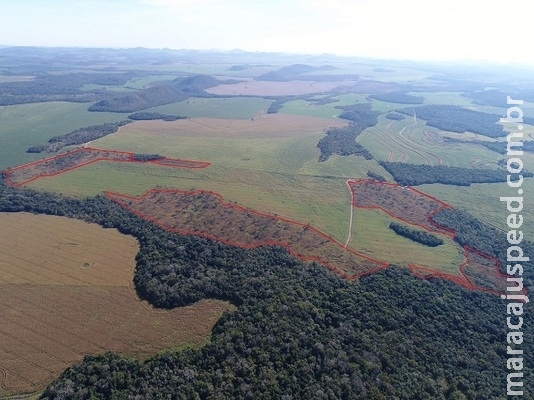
point(66, 290)
point(203, 213)
point(269, 88)
point(404, 203)
point(56, 165)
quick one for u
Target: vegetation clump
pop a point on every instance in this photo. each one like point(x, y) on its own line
point(398, 97)
point(342, 141)
point(416, 235)
point(149, 116)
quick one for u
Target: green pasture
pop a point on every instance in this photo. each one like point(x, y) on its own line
point(235, 107)
point(372, 236)
point(32, 124)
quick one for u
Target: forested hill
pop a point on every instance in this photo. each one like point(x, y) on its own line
point(299, 332)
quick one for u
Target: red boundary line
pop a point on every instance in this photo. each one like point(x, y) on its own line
point(8, 172)
point(462, 280)
point(116, 197)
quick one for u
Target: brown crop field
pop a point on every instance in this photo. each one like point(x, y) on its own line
point(204, 213)
point(268, 88)
point(66, 290)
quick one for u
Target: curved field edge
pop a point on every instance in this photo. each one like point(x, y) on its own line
point(61, 163)
point(478, 271)
point(207, 215)
point(67, 291)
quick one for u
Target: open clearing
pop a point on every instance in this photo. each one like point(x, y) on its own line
point(205, 214)
point(269, 88)
point(66, 291)
point(465, 266)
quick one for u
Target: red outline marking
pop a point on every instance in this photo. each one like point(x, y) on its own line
point(463, 280)
point(129, 155)
point(116, 198)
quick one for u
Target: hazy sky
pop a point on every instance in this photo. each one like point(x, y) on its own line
point(407, 29)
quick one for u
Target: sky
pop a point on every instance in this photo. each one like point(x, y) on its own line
point(435, 30)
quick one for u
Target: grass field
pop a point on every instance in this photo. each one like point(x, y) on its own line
point(32, 124)
point(238, 107)
point(66, 290)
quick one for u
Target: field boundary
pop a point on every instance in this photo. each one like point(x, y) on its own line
point(116, 197)
point(424, 272)
point(128, 157)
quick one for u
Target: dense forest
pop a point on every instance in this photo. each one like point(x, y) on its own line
point(79, 136)
point(420, 174)
point(417, 235)
point(458, 119)
point(56, 87)
point(299, 332)
point(398, 97)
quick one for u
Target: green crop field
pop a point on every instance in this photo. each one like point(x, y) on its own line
point(407, 141)
point(239, 107)
point(32, 124)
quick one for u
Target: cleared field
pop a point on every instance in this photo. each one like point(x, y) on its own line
point(66, 291)
point(463, 265)
point(268, 88)
point(408, 204)
point(30, 124)
point(64, 162)
point(239, 107)
point(205, 214)
point(269, 164)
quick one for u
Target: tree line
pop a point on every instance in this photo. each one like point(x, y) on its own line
point(420, 174)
